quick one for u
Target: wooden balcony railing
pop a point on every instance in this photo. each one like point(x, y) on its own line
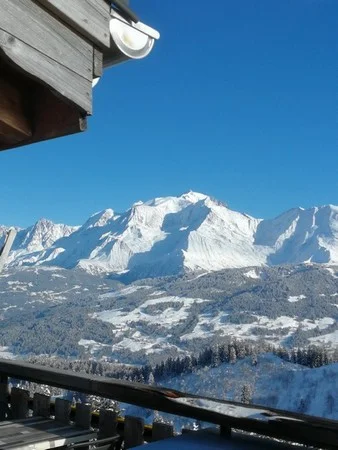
point(292, 427)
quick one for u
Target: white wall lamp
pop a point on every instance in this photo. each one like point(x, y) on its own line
point(130, 38)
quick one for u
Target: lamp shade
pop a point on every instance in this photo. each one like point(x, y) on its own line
point(129, 40)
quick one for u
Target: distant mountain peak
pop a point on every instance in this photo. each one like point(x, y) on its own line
point(171, 235)
point(193, 197)
point(43, 221)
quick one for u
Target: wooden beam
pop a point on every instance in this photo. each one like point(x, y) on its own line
point(30, 23)
point(89, 17)
point(54, 118)
point(14, 124)
point(46, 49)
point(50, 115)
point(68, 84)
point(51, 118)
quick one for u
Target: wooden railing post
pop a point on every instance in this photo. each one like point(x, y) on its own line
point(162, 431)
point(83, 415)
point(19, 403)
point(108, 426)
point(62, 410)
point(41, 405)
point(107, 423)
point(3, 396)
point(133, 431)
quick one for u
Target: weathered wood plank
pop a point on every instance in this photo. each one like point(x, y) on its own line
point(41, 405)
point(133, 431)
point(41, 434)
point(89, 17)
point(272, 422)
point(14, 124)
point(19, 403)
point(64, 81)
point(38, 28)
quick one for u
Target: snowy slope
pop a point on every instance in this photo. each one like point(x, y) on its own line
point(273, 383)
point(294, 306)
point(301, 235)
point(152, 319)
point(170, 235)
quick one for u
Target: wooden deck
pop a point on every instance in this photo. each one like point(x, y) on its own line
point(41, 433)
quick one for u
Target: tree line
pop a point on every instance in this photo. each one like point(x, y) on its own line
point(312, 356)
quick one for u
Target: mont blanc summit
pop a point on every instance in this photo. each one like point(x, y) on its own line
point(171, 235)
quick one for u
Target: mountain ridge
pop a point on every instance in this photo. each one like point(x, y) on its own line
point(171, 235)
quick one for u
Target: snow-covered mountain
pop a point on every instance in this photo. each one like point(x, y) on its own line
point(170, 235)
point(31, 243)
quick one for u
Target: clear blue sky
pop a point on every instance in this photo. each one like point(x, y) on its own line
point(239, 100)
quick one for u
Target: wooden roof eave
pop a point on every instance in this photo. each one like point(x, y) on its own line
point(53, 49)
point(31, 111)
point(55, 66)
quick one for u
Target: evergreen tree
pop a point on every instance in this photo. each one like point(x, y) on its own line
point(246, 394)
point(151, 379)
point(215, 357)
point(232, 354)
